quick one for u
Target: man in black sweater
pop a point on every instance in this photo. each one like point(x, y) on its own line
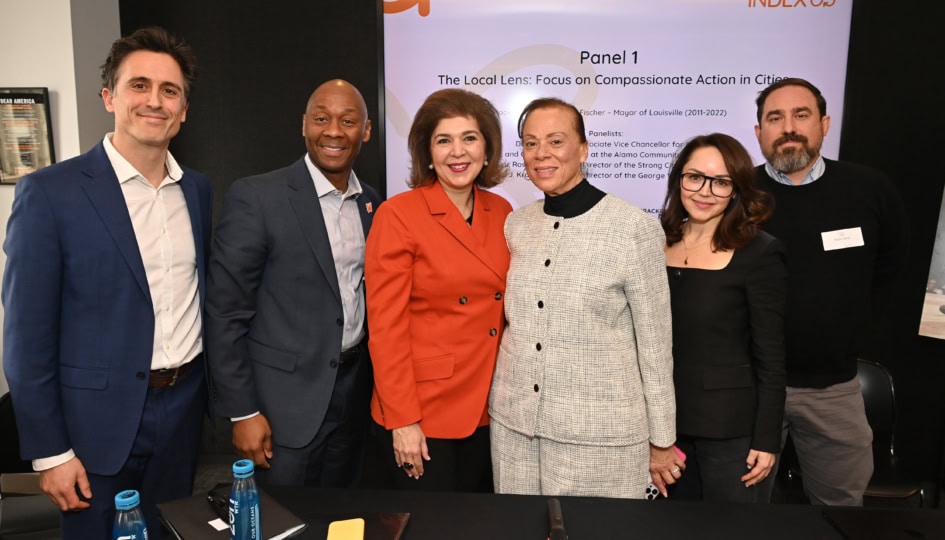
point(845, 229)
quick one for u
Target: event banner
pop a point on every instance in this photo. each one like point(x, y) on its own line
point(647, 76)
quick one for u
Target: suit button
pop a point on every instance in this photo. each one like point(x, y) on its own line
point(140, 375)
point(462, 300)
point(340, 321)
point(492, 331)
point(333, 364)
point(547, 262)
point(536, 387)
point(541, 304)
point(498, 296)
point(557, 224)
point(538, 346)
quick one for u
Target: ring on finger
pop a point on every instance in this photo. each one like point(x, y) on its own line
point(675, 470)
point(408, 465)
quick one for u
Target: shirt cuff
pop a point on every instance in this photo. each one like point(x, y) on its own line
point(47, 463)
point(247, 417)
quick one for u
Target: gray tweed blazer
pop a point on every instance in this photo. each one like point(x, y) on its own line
point(586, 357)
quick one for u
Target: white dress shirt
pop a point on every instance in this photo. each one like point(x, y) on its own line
point(343, 221)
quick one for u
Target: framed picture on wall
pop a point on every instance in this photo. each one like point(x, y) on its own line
point(26, 138)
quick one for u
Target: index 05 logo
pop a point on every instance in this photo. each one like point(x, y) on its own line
point(791, 3)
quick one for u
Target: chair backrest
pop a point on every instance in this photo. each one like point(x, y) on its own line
point(879, 397)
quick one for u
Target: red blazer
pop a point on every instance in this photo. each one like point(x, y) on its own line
point(434, 302)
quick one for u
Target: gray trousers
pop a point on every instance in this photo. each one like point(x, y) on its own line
point(833, 440)
point(535, 466)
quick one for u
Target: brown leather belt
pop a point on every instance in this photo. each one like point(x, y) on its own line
point(165, 378)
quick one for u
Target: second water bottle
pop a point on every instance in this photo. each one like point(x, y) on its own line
point(244, 503)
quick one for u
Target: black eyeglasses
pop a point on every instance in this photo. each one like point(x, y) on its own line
point(720, 187)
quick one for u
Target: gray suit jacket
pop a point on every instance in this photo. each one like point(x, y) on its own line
point(274, 313)
point(586, 357)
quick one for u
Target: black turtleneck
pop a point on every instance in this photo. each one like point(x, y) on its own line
point(575, 202)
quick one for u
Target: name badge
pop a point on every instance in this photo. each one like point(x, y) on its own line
point(842, 239)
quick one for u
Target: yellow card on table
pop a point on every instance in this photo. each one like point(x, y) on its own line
point(349, 529)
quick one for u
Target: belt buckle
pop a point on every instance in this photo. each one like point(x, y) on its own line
point(173, 377)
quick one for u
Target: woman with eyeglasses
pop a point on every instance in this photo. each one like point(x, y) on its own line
point(728, 282)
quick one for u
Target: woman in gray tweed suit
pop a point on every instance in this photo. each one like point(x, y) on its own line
point(582, 399)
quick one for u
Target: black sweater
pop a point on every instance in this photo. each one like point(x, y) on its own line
point(830, 292)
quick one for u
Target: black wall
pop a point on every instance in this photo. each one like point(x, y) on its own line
point(260, 61)
point(892, 115)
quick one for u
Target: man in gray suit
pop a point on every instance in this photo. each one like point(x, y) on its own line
point(286, 335)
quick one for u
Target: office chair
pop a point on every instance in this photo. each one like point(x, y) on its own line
point(889, 485)
point(26, 517)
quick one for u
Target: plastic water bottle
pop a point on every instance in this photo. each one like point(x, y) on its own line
point(244, 503)
point(129, 521)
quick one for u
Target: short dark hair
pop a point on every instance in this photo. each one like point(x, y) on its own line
point(747, 209)
point(791, 81)
point(550, 103)
point(455, 103)
point(154, 39)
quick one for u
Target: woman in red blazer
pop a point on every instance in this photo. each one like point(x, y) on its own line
point(435, 266)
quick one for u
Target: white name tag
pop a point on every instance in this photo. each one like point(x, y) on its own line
point(842, 239)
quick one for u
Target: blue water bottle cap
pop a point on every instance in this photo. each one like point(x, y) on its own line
point(243, 468)
point(126, 500)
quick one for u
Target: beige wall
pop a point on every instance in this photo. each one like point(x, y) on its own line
point(47, 43)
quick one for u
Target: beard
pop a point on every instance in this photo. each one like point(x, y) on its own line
point(789, 160)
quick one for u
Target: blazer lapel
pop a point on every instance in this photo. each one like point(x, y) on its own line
point(192, 198)
point(472, 238)
point(308, 211)
point(366, 209)
point(104, 192)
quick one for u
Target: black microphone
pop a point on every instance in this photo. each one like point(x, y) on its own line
point(556, 521)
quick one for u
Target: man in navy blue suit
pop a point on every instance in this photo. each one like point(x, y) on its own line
point(103, 292)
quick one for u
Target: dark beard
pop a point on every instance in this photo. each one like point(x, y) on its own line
point(791, 160)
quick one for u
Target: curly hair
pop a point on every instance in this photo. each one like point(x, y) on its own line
point(747, 209)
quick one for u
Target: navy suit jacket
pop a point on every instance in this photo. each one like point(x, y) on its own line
point(274, 313)
point(79, 323)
